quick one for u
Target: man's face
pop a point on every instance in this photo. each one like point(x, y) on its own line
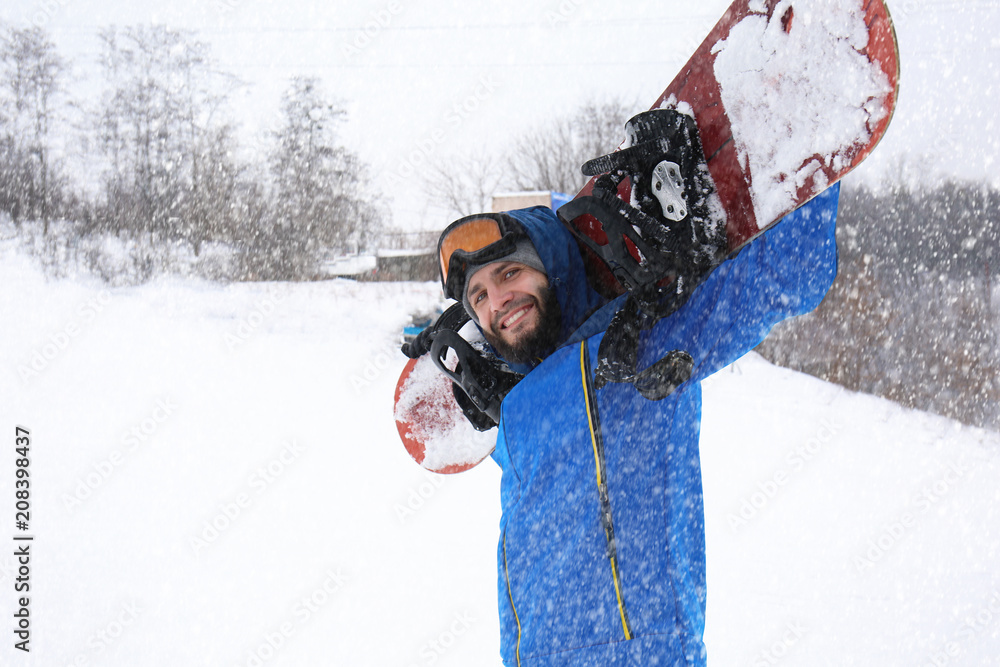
point(517, 310)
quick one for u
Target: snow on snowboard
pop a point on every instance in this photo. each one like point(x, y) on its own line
point(787, 96)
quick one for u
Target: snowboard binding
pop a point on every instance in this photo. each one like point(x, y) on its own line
point(661, 244)
point(672, 220)
point(480, 380)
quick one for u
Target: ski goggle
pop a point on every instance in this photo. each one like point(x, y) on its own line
point(474, 240)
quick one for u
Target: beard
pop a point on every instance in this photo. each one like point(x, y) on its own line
point(539, 341)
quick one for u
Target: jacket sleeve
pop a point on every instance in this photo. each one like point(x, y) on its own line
point(784, 272)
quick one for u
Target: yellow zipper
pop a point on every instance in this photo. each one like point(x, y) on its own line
point(510, 595)
point(597, 441)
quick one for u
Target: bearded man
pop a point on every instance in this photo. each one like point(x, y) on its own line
point(601, 555)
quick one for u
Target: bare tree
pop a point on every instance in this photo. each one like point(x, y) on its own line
point(206, 148)
point(160, 123)
point(464, 186)
point(212, 208)
point(550, 156)
point(32, 81)
point(321, 200)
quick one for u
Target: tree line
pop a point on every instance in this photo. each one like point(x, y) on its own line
point(162, 144)
point(911, 315)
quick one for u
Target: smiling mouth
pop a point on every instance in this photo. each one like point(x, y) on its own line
point(515, 317)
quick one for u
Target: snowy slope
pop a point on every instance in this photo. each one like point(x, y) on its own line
point(845, 530)
point(217, 481)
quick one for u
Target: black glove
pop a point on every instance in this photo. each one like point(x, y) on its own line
point(478, 371)
point(454, 319)
point(479, 419)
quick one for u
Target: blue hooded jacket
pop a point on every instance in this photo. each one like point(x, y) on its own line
point(601, 557)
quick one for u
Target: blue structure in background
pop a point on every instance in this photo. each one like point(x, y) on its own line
point(558, 199)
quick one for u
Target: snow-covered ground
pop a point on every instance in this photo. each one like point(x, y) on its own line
point(216, 480)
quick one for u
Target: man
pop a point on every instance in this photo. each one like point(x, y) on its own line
point(601, 555)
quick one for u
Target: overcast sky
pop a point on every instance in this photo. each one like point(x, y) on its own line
point(440, 78)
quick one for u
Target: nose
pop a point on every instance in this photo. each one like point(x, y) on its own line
point(499, 297)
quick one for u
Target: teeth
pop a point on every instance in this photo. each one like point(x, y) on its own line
point(518, 315)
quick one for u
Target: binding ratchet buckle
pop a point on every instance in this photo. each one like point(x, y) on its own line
point(670, 223)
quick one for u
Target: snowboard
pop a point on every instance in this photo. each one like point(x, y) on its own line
point(434, 431)
point(788, 97)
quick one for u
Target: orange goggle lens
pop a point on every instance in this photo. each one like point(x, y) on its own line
point(470, 236)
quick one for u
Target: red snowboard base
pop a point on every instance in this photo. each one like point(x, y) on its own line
point(433, 429)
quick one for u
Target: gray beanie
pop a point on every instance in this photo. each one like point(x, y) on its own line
point(524, 253)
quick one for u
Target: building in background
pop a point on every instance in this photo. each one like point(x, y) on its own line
point(507, 201)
